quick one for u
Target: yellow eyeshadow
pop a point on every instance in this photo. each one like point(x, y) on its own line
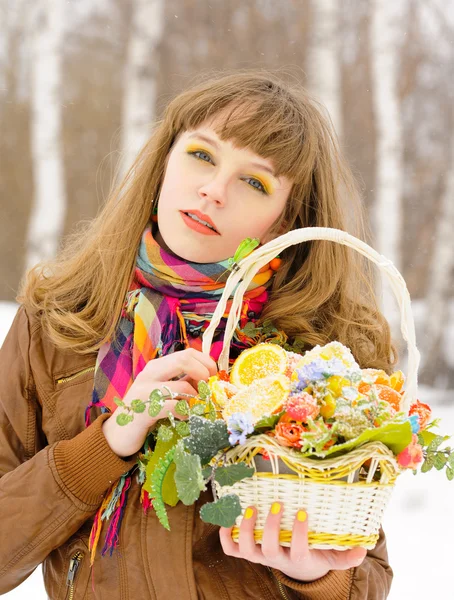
point(195, 147)
point(265, 182)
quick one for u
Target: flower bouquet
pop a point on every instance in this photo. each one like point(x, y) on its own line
point(313, 430)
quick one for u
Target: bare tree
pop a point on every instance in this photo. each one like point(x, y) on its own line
point(385, 26)
point(49, 202)
point(140, 81)
point(324, 58)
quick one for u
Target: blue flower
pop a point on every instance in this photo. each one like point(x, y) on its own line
point(239, 425)
point(414, 422)
point(319, 369)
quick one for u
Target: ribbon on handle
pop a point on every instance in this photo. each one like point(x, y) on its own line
point(241, 277)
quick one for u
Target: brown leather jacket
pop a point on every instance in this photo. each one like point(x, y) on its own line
point(54, 473)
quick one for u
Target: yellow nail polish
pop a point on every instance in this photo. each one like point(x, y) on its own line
point(248, 513)
point(301, 516)
point(275, 508)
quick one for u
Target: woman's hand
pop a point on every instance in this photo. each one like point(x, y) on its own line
point(191, 364)
point(298, 561)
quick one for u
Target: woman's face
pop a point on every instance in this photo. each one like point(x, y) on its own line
point(213, 180)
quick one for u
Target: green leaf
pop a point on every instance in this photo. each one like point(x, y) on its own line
point(211, 411)
point(138, 406)
point(451, 460)
point(161, 449)
point(233, 473)
point(250, 329)
point(440, 460)
point(204, 390)
point(268, 422)
point(449, 473)
point(397, 436)
point(119, 402)
point(206, 472)
point(428, 463)
point(182, 408)
point(198, 409)
point(437, 440)
point(156, 403)
point(165, 434)
point(182, 428)
point(124, 419)
point(223, 512)
point(427, 437)
point(207, 437)
point(188, 475)
point(157, 481)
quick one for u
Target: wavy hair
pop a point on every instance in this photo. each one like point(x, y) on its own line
point(323, 291)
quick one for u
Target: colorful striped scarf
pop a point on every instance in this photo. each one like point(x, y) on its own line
point(168, 307)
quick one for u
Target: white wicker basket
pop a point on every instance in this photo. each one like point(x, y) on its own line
point(344, 501)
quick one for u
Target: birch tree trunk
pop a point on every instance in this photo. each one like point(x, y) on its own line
point(140, 81)
point(324, 59)
point(49, 202)
point(440, 290)
point(387, 212)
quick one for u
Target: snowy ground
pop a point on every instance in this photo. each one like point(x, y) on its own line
point(419, 521)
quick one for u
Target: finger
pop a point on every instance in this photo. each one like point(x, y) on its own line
point(248, 549)
point(346, 559)
point(180, 387)
point(271, 547)
point(205, 359)
point(299, 548)
point(228, 545)
point(173, 366)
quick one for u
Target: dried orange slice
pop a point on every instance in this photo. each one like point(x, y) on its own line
point(378, 376)
point(258, 362)
point(263, 397)
point(387, 393)
point(221, 390)
point(397, 380)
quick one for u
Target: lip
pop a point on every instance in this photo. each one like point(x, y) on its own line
point(202, 216)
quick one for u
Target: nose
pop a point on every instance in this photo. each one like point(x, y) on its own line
point(214, 190)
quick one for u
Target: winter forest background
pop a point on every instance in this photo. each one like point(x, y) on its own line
point(82, 80)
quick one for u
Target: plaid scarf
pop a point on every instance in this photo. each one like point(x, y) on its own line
point(168, 307)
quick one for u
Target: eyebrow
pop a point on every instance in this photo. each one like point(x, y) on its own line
point(216, 145)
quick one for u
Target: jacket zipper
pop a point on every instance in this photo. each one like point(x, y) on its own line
point(71, 377)
point(279, 585)
point(74, 564)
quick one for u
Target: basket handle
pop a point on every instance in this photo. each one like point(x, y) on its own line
point(240, 279)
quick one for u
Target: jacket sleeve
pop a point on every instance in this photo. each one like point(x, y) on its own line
point(370, 581)
point(47, 492)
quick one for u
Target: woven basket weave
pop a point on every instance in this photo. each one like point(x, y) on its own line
point(345, 502)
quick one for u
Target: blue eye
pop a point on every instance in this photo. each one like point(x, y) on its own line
point(202, 152)
point(260, 189)
point(199, 155)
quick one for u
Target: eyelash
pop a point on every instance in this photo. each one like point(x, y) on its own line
point(261, 191)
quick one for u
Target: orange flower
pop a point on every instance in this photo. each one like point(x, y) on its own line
point(289, 434)
point(423, 411)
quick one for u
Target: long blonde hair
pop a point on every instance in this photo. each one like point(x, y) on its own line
point(322, 292)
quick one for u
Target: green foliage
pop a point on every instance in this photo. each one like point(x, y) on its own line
point(188, 475)
point(182, 428)
point(123, 419)
point(157, 482)
point(169, 491)
point(233, 473)
point(198, 410)
point(138, 406)
point(156, 402)
point(397, 436)
point(223, 512)
point(206, 438)
point(182, 408)
point(268, 422)
point(119, 402)
point(165, 433)
point(204, 390)
point(434, 456)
